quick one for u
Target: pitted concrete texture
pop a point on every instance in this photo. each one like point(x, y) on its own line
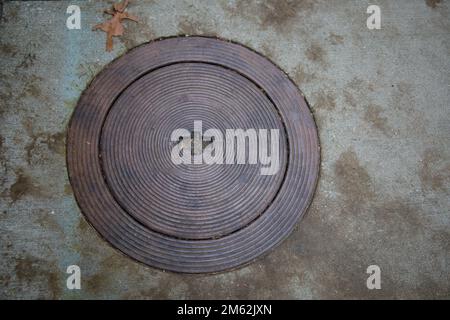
point(381, 102)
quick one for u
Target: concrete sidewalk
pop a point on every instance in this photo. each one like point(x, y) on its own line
point(381, 102)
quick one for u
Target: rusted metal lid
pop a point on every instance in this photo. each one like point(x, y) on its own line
point(194, 217)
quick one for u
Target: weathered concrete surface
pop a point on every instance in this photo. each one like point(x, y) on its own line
point(382, 104)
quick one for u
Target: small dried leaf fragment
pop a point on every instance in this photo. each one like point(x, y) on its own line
point(113, 27)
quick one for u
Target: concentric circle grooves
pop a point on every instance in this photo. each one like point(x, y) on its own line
point(225, 67)
point(160, 251)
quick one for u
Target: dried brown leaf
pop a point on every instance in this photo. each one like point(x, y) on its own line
point(113, 27)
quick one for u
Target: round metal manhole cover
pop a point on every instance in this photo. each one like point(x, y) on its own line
point(138, 147)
